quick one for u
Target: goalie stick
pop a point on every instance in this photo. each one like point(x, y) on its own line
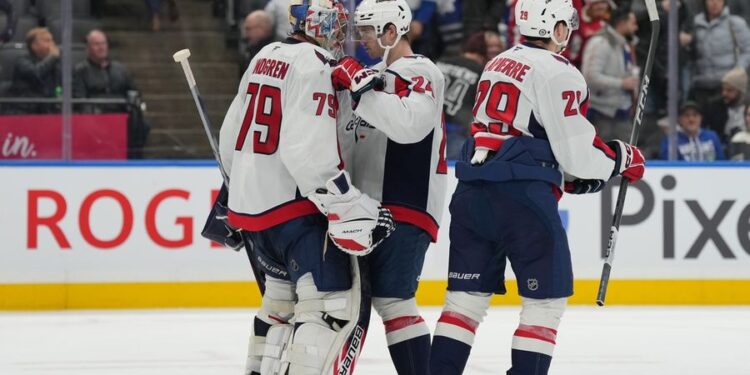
point(181, 57)
point(653, 15)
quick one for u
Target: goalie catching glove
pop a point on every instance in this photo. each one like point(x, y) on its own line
point(356, 223)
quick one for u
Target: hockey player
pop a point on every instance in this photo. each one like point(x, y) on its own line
point(279, 145)
point(531, 141)
point(398, 158)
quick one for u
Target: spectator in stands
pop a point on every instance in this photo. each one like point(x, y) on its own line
point(100, 77)
point(694, 143)
point(722, 42)
point(37, 75)
point(423, 36)
point(612, 76)
point(278, 10)
point(482, 15)
point(461, 77)
point(154, 10)
point(495, 44)
point(10, 21)
point(657, 98)
point(656, 101)
point(725, 115)
point(740, 145)
point(594, 16)
point(257, 33)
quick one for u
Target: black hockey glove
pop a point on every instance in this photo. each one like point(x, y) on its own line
point(217, 226)
point(579, 186)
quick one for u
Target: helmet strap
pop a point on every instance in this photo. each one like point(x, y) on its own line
point(388, 48)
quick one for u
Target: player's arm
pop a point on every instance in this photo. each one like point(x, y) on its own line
point(406, 116)
point(308, 139)
point(573, 139)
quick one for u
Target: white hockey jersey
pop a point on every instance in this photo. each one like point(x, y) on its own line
point(278, 140)
point(530, 91)
point(394, 143)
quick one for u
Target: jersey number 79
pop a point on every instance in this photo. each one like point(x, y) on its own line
point(262, 114)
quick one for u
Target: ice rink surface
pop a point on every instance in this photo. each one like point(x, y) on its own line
point(610, 340)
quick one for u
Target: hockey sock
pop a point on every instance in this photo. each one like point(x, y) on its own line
point(532, 350)
point(409, 344)
point(452, 343)
point(529, 363)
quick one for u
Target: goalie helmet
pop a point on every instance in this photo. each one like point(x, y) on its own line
point(325, 21)
point(537, 18)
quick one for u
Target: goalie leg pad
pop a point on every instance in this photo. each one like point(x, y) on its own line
point(277, 341)
point(276, 309)
point(330, 327)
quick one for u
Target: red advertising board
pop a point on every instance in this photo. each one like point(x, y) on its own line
point(41, 137)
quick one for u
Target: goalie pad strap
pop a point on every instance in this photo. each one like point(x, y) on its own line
point(306, 356)
point(278, 306)
point(320, 305)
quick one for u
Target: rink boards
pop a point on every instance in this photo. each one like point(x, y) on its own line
point(111, 235)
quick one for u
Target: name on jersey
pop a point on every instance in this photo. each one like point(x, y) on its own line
point(509, 67)
point(272, 68)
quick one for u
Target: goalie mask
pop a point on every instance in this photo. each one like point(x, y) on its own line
point(325, 21)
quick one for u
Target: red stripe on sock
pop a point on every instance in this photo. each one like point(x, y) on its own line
point(401, 322)
point(460, 320)
point(536, 332)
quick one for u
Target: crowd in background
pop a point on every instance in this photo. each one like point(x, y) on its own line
point(34, 64)
point(609, 48)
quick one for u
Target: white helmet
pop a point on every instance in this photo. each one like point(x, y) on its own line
point(379, 13)
point(323, 20)
point(537, 18)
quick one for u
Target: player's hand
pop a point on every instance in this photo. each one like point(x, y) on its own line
point(629, 163)
point(579, 186)
point(217, 226)
point(349, 74)
point(344, 71)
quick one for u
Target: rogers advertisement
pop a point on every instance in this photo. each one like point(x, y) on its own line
point(141, 223)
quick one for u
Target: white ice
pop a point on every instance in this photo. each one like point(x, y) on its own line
point(610, 340)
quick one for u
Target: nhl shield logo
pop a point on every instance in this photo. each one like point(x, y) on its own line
point(532, 284)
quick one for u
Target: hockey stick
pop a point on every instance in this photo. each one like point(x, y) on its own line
point(653, 15)
point(181, 57)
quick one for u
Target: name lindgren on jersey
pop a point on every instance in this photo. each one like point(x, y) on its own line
point(278, 139)
point(394, 143)
point(530, 91)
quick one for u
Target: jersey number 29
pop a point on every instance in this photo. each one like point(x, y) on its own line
point(502, 105)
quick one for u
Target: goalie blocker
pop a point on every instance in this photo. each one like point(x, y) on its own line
point(356, 223)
